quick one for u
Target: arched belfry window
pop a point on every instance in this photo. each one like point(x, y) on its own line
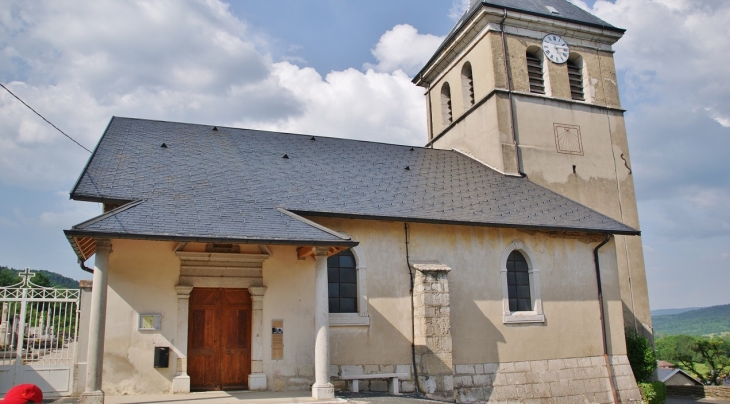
point(467, 85)
point(575, 76)
point(446, 113)
point(520, 285)
point(342, 282)
point(535, 71)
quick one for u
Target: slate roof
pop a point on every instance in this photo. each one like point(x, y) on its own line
point(235, 184)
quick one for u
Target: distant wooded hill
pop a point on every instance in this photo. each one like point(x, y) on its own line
point(709, 320)
point(9, 276)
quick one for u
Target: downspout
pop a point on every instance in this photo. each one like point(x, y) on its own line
point(430, 115)
point(84, 267)
point(603, 318)
point(509, 94)
point(413, 313)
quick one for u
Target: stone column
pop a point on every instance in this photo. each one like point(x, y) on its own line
point(257, 378)
point(322, 388)
point(432, 330)
point(97, 322)
point(181, 381)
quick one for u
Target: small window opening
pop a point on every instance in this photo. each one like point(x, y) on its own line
point(467, 85)
point(552, 10)
point(518, 283)
point(534, 72)
point(342, 283)
point(575, 76)
point(446, 114)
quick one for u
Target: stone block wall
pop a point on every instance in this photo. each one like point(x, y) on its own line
point(700, 391)
point(432, 330)
point(405, 385)
point(546, 381)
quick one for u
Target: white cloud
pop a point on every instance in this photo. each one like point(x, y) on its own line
point(458, 8)
point(372, 106)
point(80, 63)
point(403, 48)
point(674, 50)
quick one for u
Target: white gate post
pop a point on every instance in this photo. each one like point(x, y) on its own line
point(95, 358)
point(21, 337)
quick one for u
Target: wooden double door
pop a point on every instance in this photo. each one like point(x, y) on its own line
point(219, 339)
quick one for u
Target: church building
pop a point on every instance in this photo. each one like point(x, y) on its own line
point(501, 261)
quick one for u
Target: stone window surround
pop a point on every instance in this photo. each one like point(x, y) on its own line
point(536, 315)
point(361, 318)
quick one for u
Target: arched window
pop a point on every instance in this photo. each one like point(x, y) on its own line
point(518, 282)
point(575, 76)
point(467, 85)
point(446, 114)
point(535, 71)
point(342, 280)
point(520, 285)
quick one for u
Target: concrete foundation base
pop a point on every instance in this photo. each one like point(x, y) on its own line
point(257, 381)
point(92, 397)
point(181, 384)
point(323, 391)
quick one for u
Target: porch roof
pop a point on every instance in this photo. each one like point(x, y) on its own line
point(198, 182)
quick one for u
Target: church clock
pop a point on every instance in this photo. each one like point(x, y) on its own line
point(555, 48)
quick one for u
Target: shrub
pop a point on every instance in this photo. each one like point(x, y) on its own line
point(641, 356)
point(653, 393)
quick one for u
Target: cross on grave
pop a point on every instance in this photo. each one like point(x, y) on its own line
point(26, 275)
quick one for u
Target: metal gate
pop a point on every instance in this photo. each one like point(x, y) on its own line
point(38, 336)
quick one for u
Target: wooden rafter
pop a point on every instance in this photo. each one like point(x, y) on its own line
point(308, 251)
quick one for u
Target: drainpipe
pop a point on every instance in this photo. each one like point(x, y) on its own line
point(413, 313)
point(603, 318)
point(84, 267)
point(509, 94)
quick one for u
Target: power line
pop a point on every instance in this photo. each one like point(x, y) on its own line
point(49, 122)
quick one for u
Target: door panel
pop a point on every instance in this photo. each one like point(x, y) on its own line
point(219, 339)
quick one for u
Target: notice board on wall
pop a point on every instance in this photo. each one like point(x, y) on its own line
point(277, 339)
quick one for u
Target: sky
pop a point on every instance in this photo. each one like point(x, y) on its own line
point(343, 68)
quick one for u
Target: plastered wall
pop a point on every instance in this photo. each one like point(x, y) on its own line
point(569, 294)
point(143, 275)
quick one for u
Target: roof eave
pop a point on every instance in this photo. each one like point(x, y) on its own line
point(630, 232)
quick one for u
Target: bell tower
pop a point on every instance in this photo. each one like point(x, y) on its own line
point(529, 88)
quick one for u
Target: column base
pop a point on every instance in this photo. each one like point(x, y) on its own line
point(92, 397)
point(257, 381)
point(181, 384)
point(323, 391)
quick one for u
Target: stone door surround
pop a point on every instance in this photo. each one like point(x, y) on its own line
point(220, 270)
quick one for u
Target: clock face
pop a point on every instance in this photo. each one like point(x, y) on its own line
point(555, 48)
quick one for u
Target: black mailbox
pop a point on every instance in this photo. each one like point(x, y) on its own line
point(162, 356)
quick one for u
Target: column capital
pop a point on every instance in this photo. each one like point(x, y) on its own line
point(103, 245)
point(257, 291)
point(321, 251)
point(183, 291)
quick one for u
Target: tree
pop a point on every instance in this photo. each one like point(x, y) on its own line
point(713, 352)
point(641, 356)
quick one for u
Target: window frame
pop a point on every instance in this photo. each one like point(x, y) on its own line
point(536, 315)
point(361, 317)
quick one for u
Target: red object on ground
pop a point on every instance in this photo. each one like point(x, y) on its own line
point(22, 394)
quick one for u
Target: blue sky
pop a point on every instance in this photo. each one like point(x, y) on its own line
point(342, 69)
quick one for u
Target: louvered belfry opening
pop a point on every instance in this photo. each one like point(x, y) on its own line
point(446, 114)
point(467, 85)
point(575, 75)
point(534, 71)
